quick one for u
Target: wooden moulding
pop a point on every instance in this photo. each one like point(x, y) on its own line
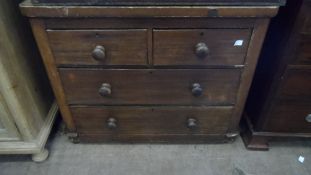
point(31, 10)
point(35, 146)
point(258, 140)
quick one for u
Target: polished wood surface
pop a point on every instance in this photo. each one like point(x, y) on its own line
point(178, 47)
point(168, 86)
point(280, 99)
point(122, 47)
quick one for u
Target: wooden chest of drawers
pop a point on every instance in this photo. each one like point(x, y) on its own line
point(279, 104)
point(150, 73)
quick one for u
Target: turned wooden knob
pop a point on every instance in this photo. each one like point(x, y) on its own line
point(196, 89)
point(308, 118)
point(192, 123)
point(112, 123)
point(99, 53)
point(201, 50)
point(105, 89)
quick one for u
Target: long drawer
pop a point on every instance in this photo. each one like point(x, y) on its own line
point(148, 122)
point(162, 86)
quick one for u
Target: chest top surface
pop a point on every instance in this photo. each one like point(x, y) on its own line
point(150, 8)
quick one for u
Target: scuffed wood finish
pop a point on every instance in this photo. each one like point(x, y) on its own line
point(154, 74)
point(38, 29)
point(168, 86)
point(177, 47)
point(30, 10)
point(122, 47)
point(144, 122)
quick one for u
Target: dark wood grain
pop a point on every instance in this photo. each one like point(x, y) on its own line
point(122, 47)
point(151, 121)
point(289, 117)
point(168, 86)
point(177, 47)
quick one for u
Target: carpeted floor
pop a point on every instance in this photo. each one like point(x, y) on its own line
point(154, 159)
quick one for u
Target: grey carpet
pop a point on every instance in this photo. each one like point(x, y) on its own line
point(148, 159)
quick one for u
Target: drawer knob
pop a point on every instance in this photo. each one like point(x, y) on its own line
point(112, 123)
point(308, 118)
point(196, 89)
point(99, 53)
point(192, 123)
point(105, 89)
point(201, 50)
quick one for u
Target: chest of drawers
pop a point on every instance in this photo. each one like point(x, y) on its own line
point(279, 104)
point(150, 73)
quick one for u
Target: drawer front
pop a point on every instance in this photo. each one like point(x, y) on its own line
point(99, 47)
point(120, 120)
point(137, 86)
point(200, 47)
point(289, 117)
point(296, 85)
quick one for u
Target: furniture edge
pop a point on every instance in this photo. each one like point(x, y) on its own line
point(30, 10)
point(258, 140)
point(37, 145)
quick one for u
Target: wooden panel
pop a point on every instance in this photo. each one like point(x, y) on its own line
point(147, 121)
point(151, 86)
point(296, 85)
point(121, 46)
point(289, 117)
point(178, 47)
point(8, 130)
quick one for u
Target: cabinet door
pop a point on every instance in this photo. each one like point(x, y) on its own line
point(8, 131)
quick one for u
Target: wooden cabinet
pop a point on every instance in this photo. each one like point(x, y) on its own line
point(279, 104)
point(27, 110)
point(150, 73)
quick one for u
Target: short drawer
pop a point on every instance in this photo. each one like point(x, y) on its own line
point(99, 47)
point(200, 46)
point(141, 86)
point(148, 121)
point(289, 117)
